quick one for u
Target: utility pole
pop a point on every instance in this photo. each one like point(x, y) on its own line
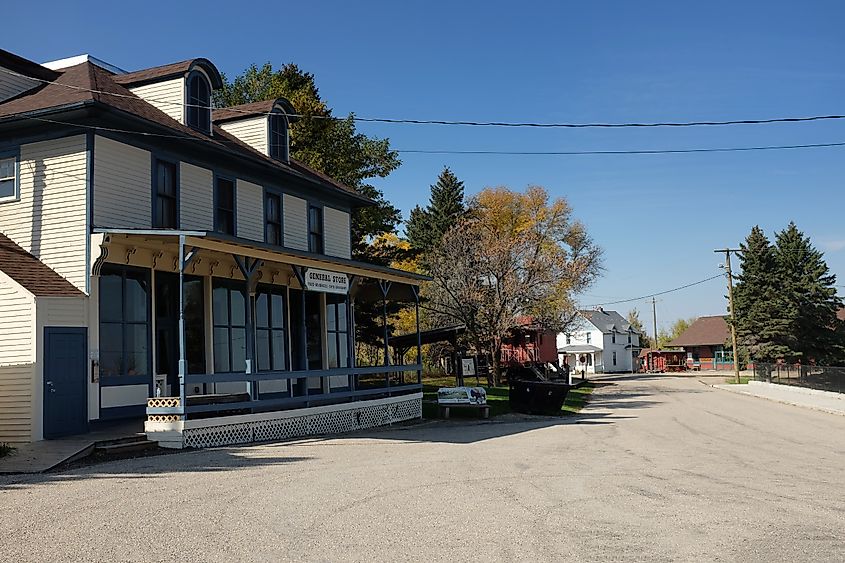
point(727, 252)
point(654, 316)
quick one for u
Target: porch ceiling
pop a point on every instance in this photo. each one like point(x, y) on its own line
point(243, 247)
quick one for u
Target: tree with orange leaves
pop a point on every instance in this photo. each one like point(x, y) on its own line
point(513, 256)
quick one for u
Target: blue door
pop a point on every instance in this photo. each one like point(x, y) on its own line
point(65, 381)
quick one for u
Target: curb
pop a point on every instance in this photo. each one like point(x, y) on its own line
point(772, 399)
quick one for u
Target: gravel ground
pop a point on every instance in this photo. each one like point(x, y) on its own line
point(656, 468)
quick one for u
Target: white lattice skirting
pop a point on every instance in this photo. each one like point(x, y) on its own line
point(279, 425)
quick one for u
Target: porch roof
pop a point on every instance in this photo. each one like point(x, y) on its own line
point(576, 348)
point(262, 251)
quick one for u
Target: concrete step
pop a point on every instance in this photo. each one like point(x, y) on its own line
point(123, 446)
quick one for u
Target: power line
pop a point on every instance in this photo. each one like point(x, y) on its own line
point(468, 123)
point(620, 152)
point(656, 294)
point(514, 153)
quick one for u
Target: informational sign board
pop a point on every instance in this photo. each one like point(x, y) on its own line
point(467, 366)
point(326, 282)
point(462, 396)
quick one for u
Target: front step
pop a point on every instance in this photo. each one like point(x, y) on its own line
point(124, 446)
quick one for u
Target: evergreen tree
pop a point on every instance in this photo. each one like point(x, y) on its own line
point(764, 319)
point(808, 287)
point(425, 227)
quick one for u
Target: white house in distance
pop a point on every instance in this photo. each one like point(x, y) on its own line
point(164, 262)
point(600, 342)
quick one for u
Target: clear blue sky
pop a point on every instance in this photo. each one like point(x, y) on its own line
point(657, 217)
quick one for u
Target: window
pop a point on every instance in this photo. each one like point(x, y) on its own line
point(613, 337)
point(313, 358)
point(337, 329)
point(224, 207)
point(568, 339)
point(315, 229)
point(8, 179)
point(629, 337)
point(273, 219)
point(270, 333)
point(165, 209)
point(124, 322)
point(229, 314)
point(589, 335)
point(199, 102)
point(279, 136)
point(614, 358)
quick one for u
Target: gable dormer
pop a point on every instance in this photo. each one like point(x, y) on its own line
point(181, 90)
point(265, 126)
point(19, 75)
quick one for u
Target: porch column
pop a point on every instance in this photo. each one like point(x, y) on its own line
point(416, 291)
point(183, 363)
point(299, 272)
point(249, 269)
point(384, 286)
point(350, 332)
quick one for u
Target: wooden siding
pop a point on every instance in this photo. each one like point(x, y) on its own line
point(196, 193)
point(11, 85)
point(122, 185)
point(168, 96)
point(250, 208)
point(251, 131)
point(63, 311)
point(16, 403)
point(49, 220)
point(17, 310)
point(337, 234)
point(295, 222)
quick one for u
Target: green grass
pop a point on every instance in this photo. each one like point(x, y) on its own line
point(742, 380)
point(577, 398)
point(497, 398)
point(5, 449)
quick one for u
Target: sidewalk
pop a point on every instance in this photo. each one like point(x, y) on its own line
point(826, 401)
point(38, 457)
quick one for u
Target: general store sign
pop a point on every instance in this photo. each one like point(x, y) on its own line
point(326, 282)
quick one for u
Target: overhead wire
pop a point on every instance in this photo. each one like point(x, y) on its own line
point(411, 121)
point(674, 289)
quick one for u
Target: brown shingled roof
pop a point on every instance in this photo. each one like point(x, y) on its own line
point(705, 331)
point(154, 73)
point(85, 82)
point(243, 111)
point(32, 273)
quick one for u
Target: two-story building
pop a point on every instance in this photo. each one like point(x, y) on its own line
point(165, 261)
point(600, 342)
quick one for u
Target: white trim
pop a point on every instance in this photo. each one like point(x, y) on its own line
point(59, 64)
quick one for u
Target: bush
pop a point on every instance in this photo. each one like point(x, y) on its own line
point(5, 449)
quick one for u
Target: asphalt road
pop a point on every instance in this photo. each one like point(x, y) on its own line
point(659, 469)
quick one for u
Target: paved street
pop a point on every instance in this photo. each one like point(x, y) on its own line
point(657, 468)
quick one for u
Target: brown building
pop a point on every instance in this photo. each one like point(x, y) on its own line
point(706, 343)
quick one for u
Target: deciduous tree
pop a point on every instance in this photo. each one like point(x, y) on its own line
point(514, 255)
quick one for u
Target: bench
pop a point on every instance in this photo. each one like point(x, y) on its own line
point(483, 409)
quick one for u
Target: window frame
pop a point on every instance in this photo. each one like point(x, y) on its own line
point(190, 102)
point(156, 220)
point(281, 291)
point(321, 233)
point(268, 193)
point(16, 180)
point(234, 211)
point(276, 150)
point(230, 286)
point(123, 379)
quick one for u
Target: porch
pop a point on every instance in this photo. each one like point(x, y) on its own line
point(248, 342)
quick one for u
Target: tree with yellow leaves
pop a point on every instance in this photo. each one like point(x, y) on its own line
point(514, 256)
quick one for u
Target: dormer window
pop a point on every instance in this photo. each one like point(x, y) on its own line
point(199, 102)
point(279, 148)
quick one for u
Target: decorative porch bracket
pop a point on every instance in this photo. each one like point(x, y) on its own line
point(249, 268)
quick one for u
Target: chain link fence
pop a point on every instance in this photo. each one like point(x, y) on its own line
point(824, 378)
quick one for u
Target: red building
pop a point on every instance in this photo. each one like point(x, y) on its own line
point(529, 344)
